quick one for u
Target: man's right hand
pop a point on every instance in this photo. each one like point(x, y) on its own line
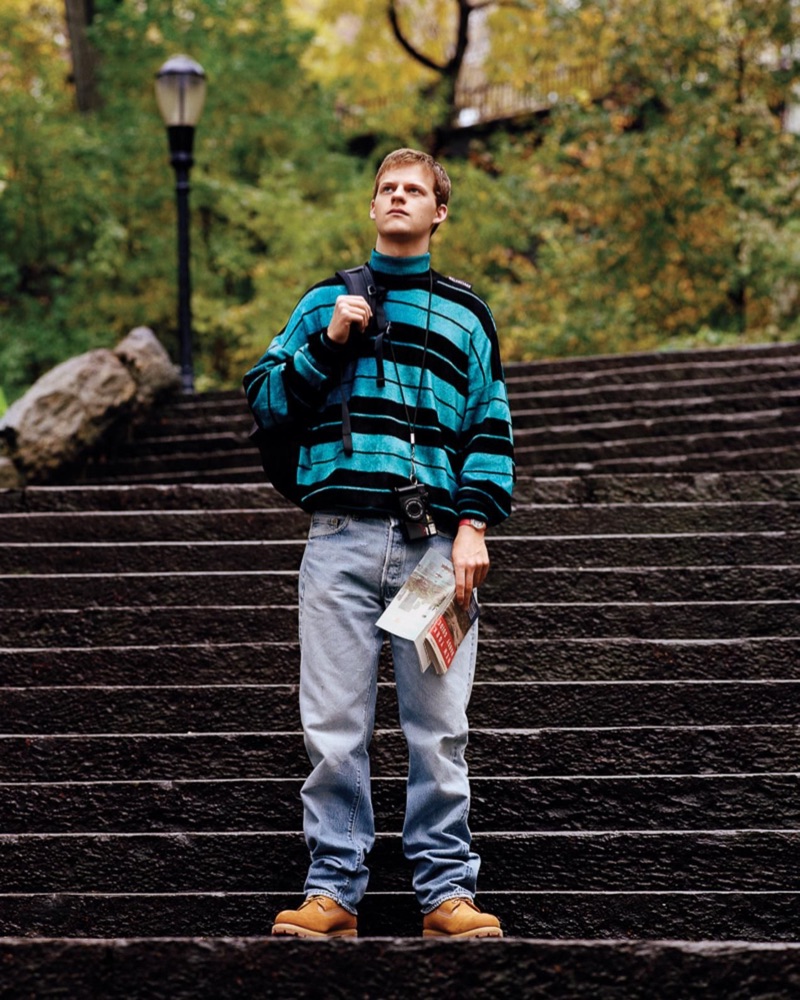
point(350, 312)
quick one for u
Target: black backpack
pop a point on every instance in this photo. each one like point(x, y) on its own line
point(279, 447)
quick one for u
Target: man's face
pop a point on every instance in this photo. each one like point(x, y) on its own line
point(404, 208)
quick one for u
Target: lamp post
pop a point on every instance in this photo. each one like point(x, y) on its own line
point(180, 93)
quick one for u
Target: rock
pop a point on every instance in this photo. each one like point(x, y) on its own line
point(10, 476)
point(67, 413)
point(149, 364)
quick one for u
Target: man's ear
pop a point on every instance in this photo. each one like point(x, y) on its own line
point(372, 209)
point(441, 214)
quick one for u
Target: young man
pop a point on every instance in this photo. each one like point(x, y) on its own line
point(428, 408)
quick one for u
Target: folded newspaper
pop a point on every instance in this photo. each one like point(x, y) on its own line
point(425, 611)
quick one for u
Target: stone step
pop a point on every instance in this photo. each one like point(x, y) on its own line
point(513, 705)
point(745, 486)
point(530, 520)
point(640, 370)
point(111, 626)
point(524, 395)
point(244, 470)
point(667, 358)
point(221, 430)
point(539, 406)
point(739, 457)
point(737, 861)
point(629, 802)
point(584, 415)
point(234, 966)
point(149, 468)
point(502, 659)
point(529, 435)
point(114, 557)
point(709, 487)
point(589, 750)
point(704, 447)
point(728, 451)
point(504, 585)
point(600, 551)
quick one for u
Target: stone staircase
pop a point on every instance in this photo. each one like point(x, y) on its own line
point(635, 742)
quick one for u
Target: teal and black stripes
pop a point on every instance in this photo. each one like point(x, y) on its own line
point(457, 403)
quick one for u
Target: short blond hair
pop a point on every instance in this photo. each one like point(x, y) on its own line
point(404, 157)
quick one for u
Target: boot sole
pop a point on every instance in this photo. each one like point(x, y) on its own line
point(292, 930)
point(481, 932)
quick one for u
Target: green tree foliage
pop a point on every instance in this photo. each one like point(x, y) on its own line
point(87, 201)
point(669, 206)
point(656, 203)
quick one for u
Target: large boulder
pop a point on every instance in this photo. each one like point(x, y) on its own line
point(72, 409)
point(150, 365)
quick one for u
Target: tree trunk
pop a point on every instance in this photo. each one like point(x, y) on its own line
point(79, 15)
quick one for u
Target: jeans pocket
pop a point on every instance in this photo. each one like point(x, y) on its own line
point(326, 523)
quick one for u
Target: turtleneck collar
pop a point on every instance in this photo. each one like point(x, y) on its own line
point(400, 265)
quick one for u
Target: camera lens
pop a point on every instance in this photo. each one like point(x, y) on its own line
point(414, 510)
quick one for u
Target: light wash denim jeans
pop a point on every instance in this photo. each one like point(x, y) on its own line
point(352, 567)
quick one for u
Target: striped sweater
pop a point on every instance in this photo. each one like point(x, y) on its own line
point(457, 405)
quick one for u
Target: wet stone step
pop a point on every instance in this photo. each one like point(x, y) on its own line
point(119, 626)
point(245, 471)
point(155, 526)
point(635, 359)
point(30, 711)
point(712, 487)
point(574, 916)
point(181, 441)
point(702, 445)
point(499, 659)
point(605, 431)
point(523, 394)
point(744, 456)
point(672, 802)
point(132, 590)
point(145, 557)
point(536, 519)
point(147, 497)
point(202, 433)
point(628, 749)
point(715, 450)
point(748, 486)
point(649, 368)
point(692, 583)
point(245, 862)
point(560, 417)
point(184, 460)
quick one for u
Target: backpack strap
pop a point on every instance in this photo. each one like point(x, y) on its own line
point(361, 281)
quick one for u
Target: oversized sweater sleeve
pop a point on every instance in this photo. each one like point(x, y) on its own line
point(292, 379)
point(487, 472)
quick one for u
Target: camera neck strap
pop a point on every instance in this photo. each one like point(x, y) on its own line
point(412, 420)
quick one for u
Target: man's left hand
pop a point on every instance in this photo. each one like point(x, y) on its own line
point(470, 561)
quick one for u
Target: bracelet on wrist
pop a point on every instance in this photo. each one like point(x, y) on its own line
point(473, 522)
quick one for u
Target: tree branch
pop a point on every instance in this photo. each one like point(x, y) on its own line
point(420, 57)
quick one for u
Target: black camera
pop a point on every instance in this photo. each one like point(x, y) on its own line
point(415, 516)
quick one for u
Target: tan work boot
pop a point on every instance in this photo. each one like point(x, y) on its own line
point(460, 918)
point(318, 917)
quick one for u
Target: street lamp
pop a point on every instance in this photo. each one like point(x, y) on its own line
point(180, 93)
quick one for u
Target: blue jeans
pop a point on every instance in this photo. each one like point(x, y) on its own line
point(352, 567)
